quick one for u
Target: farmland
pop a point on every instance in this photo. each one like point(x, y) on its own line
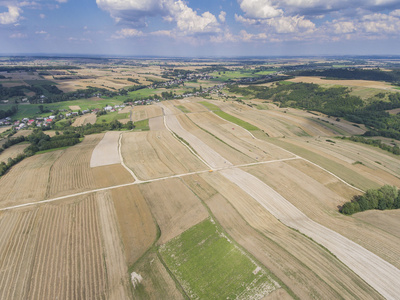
point(206, 196)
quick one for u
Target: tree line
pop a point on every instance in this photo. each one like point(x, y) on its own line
point(386, 197)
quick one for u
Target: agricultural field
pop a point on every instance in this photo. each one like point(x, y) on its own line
point(208, 196)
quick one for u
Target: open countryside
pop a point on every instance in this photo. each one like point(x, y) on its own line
point(185, 179)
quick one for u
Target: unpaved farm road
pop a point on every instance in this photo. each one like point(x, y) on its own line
point(378, 273)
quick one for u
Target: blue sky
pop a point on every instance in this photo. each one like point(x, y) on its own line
point(201, 27)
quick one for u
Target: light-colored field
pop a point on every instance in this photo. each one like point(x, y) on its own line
point(395, 111)
point(71, 173)
point(361, 83)
point(65, 251)
point(143, 112)
point(27, 181)
point(156, 282)
point(289, 255)
point(106, 152)
point(275, 123)
point(157, 124)
point(306, 194)
point(138, 231)
point(12, 152)
point(85, 119)
point(174, 206)
point(155, 154)
point(378, 167)
point(388, 220)
point(377, 272)
point(75, 107)
point(2, 129)
point(238, 138)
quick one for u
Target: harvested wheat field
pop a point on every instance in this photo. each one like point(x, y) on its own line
point(66, 251)
point(138, 230)
point(12, 152)
point(85, 119)
point(2, 129)
point(238, 138)
point(28, 180)
point(388, 220)
point(360, 165)
point(74, 107)
point(289, 255)
point(208, 147)
point(143, 112)
point(156, 154)
point(71, 172)
point(359, 83)
point(377, 272)
point(174, 206)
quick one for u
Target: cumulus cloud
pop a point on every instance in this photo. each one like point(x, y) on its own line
point(41, 32)
point(18, 35)
point(11, 16)
point(222, 16)
point(126, 33)
point(135, 12)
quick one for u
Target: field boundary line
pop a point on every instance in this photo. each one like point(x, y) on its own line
point(175, 135)
point(122, 159)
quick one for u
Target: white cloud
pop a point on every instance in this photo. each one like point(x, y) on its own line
point(260, 9)
point(62, 1)
point(344, 27)
point(162, 33)
point(126, 33)
point(41, 32)
point(18, 35)
point(135, 13)
point(11, 16)
point(42, 16)
point(222, 16)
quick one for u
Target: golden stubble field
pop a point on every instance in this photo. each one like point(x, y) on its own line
point(98, 238)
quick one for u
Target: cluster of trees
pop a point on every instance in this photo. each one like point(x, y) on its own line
point(11, 141)
point(335, 101)
point(40, 141)
point(377, 143)
point(354, 73)
point(4, 167)
point(15, 91)
point(387, 197)
point(8, 112)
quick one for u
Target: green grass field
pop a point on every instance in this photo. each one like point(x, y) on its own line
point(111, 116)
point(229, 117)
point(209, 266)
point(182, 109)
point(229, 75)
point(142, 125)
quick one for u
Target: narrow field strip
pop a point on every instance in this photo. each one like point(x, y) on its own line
point(377, 272)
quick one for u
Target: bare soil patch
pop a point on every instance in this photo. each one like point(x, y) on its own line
point(74, 107)
point(174, 206)
point(106, 152)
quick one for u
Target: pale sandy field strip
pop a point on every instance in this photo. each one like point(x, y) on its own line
point(12, 152)
point(213, 159)
point(106, 152)
point(381, 275)
point(85, 119)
